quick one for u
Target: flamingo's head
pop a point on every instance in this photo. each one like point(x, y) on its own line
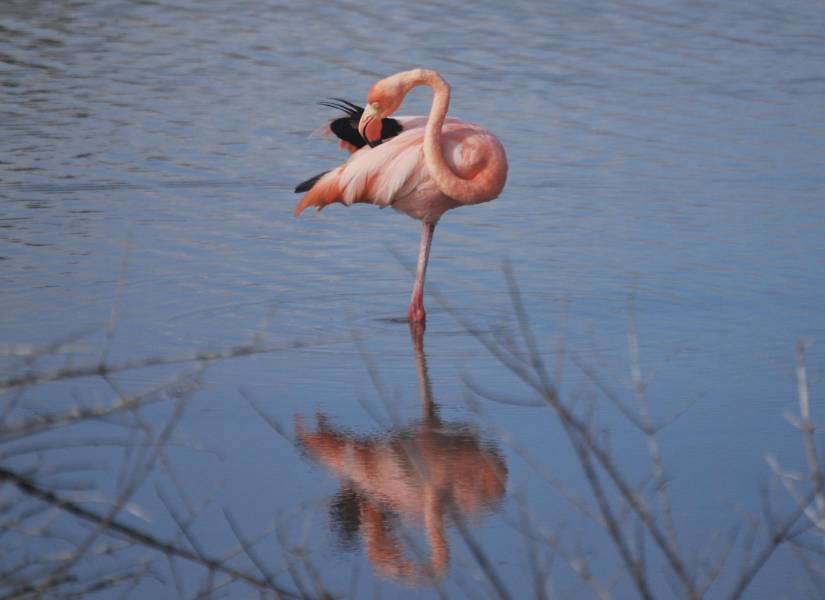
point(383, 99)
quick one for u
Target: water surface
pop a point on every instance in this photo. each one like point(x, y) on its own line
point(665, 153)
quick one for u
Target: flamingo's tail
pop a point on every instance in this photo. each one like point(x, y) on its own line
point(321, 191)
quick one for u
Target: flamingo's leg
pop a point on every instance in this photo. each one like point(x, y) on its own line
point(416, 312)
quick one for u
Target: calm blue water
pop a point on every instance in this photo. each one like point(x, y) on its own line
point(669, 152)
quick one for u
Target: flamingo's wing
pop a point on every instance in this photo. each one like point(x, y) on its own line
point(374, 175)
point(345, 129)
point(377, 175)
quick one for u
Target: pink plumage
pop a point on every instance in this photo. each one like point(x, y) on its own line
point(435, 164)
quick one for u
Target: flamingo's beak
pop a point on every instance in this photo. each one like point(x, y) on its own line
point(370, 126)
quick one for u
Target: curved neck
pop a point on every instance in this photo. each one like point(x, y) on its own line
point(465, 191)
point(435, 121)
point(447, 181)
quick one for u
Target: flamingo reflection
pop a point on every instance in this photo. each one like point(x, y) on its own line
point(422, 473)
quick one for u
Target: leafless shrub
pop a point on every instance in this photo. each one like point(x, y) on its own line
point(72, 528)
point(638, 518)
point(63, 534)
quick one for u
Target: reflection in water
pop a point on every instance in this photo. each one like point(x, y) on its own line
point(420, 472)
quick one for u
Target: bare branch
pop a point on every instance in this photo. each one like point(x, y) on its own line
point(115, 526)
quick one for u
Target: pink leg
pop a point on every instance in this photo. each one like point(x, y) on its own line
point(416, 312)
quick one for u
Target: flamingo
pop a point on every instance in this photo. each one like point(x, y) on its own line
point(421, 166)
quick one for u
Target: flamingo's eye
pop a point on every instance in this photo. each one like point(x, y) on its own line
point(375, 105)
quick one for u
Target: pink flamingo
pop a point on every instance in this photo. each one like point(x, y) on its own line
point(421, 166)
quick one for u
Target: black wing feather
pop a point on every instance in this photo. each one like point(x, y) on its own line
point(346, 128)
point(305, 186)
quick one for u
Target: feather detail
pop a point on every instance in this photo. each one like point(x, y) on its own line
point(325, 191)
point(305, 186)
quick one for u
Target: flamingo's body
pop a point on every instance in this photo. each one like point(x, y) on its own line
point(422, 166)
